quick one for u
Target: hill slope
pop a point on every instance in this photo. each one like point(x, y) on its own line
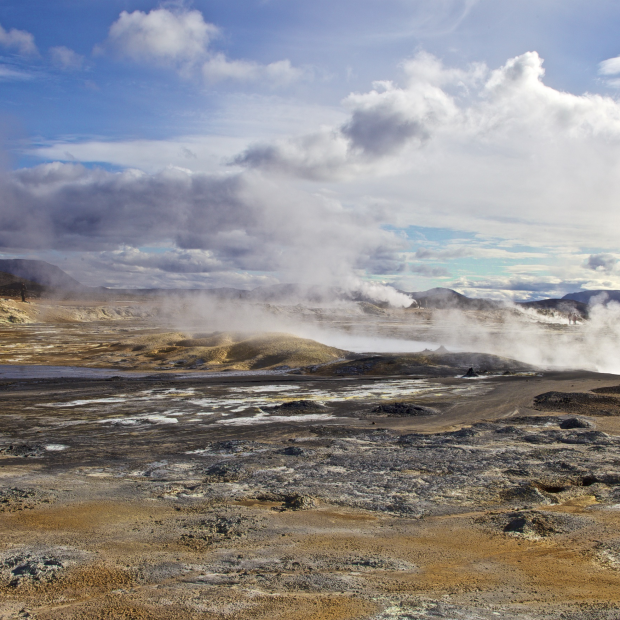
point(444, 298)
point(40, 272)
point(216, 351)
point(585, 297)
point(565, 306)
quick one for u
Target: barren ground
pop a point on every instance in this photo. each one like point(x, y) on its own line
point(162, 495)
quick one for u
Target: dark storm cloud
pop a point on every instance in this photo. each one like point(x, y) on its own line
point(211, 222)
point(67, 206)
point(382, 130)
point(601, 262)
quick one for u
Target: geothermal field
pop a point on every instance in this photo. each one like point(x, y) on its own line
point(162, 459)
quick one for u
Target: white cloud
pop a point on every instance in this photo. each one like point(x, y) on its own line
point(480, 151)
point(161, 36)
point(279, 73)
point(611, 66)
point(181, 39)
point(66, 58)
point(19, 40)
point(498, 153)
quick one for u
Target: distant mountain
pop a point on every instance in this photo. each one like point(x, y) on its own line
point(42, 273)
point(43, 278)
point(564, 305)
point(586, 296)
point(446, 298)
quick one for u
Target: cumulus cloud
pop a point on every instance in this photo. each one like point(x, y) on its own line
point(66, 59)
point(381, 123)
point(19, 40)
point(182, 39)
point(387, 118)
point(486, 151)
point(601, 262)
point(161, 36)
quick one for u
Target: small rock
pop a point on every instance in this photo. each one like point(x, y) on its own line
point(293, 451)
point(470, 373)
point(576, 423)
point(404, 409)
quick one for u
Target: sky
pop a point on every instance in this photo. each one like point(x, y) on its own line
point(469, 144)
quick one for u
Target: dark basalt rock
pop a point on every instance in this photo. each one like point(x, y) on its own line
point(589, 437)
point(293, 451)
point(295, 407)
point(404, 409)
point(464, 433)
point(224, 472)
point(611, 389)
point(24, 450)
point(575, 423)
point(470, 374)
point(579, 403)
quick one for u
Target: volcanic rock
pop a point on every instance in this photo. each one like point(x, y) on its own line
point(576, 423)
point(404, 409)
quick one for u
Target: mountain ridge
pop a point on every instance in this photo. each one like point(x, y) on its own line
point(44, 277)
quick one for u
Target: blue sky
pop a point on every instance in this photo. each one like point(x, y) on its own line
point(462, 143)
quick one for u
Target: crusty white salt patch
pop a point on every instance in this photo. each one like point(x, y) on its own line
point(55, 447)
point(122, 398)
point(143, 419)
point(93, 401)
point(263, 418)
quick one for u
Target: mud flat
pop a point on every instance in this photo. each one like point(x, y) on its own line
point(372, 497)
